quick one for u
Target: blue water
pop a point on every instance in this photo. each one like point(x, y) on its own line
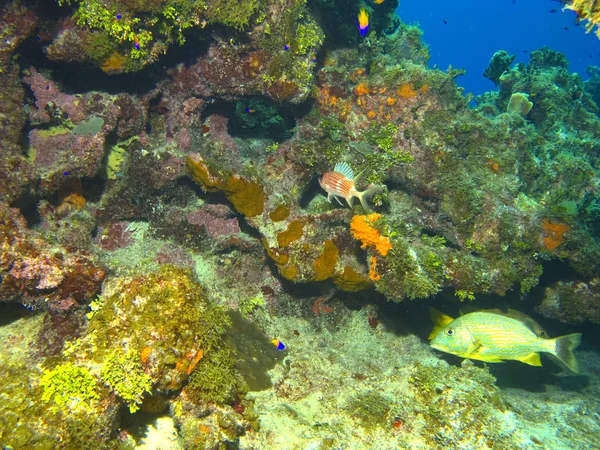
point(476, 29)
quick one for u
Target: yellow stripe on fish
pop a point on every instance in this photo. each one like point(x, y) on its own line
point(494, 337)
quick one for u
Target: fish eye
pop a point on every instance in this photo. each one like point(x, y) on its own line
point(449, 331)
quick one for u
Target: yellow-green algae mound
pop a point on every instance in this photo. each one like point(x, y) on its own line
point(151, 332)
point(60, 407)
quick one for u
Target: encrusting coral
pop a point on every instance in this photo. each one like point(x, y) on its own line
point(362, 229)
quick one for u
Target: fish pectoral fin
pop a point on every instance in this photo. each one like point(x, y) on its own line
point(533, 359)
point(475, 348)
point(329, 197)
point(476, 352)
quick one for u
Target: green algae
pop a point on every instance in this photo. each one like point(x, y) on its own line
point(214, 378)
point(69, 385)
point(124, 374)
point(91, 126)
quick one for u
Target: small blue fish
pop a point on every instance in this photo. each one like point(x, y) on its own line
point(118, 16)
point(286, 47)
point(278, 344)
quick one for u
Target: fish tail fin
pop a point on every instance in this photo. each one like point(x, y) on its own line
point(363, 195)
point(564, 350)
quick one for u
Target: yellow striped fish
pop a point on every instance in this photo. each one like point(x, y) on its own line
point(495, 338)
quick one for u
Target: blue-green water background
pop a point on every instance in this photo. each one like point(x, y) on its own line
point(475, 29)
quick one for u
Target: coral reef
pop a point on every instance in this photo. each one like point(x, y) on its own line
point(163, 214)
point(36, 273)
point(572, 301)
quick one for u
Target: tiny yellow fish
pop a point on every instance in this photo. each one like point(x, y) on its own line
point(363, 21)
point(495, 338)
point(378, 2)
point(341, 182)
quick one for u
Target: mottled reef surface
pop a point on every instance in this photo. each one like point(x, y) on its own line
point(162, 226)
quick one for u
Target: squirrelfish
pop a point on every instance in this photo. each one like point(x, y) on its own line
point(342, 183)
point(362, 21)
point(495, 338)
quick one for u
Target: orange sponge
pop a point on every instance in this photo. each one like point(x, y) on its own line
point(361, 229)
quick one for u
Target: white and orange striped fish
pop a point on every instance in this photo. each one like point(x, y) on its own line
point(342, 183)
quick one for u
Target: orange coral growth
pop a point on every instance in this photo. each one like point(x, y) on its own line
point(493, 165)
point(361, 229)
point(324, 265)
point(425, 89)
point(277, 256)
point(198, 356)
point(280, 213)
point(373, 275)
point(371, 114)
point(406, 91)
point(289, 272)
point(293, 233)
point(352, 281)
point(114, 63)
point(145, 355)
point(554, 234)
point(361, 89)
point(391, 101)
point(70, 203)
point(246, 196)
point(200, 174)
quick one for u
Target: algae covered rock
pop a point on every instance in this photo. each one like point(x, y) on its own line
point(148, 333)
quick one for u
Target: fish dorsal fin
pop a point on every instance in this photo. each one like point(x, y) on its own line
point(533, 359)
point(344, 169)
point(439, 319)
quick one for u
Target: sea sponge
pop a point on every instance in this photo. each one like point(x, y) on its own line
point(280, 213)
point(361, 229)
point(324, 265)
point(554, 234)
point(406, 91)
point(293, 233)
point(519, 103)
point(352, 281)
point(246, 196)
